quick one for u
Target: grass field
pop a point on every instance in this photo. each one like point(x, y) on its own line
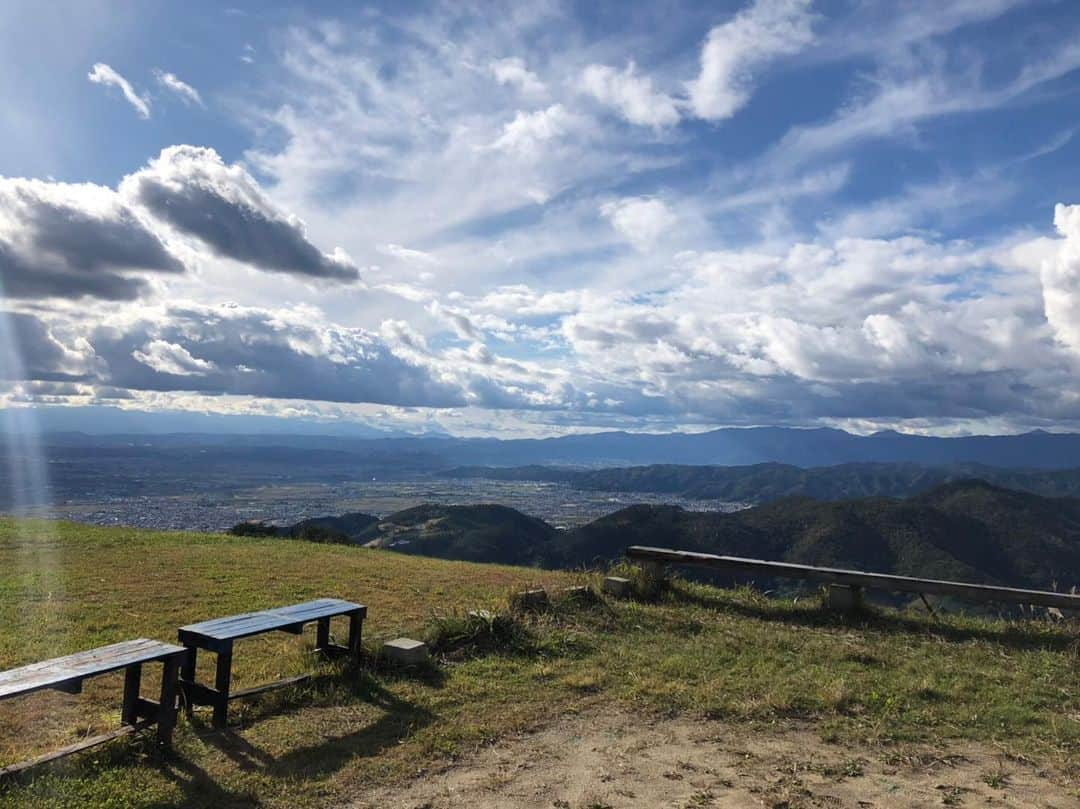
point(880, 678)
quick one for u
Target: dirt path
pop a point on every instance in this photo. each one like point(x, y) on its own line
point(617, 761)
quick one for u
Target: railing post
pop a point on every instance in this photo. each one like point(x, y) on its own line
point(652, 576)
point(843, 597)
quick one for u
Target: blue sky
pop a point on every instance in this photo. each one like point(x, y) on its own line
point(546, 217)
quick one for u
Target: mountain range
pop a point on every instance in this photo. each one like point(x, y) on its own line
point(728, 447)
point(763, 483)
point(965, 530)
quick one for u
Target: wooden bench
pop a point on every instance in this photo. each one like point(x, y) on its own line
point(856, 579)
point(68, 673)
point(219, 635)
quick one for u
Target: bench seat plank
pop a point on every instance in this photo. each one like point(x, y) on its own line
point(75, 667)
point(235, 627)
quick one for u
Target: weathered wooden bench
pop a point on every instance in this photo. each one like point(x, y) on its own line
point(218, 636)
point(856, 580)
point(68, 673)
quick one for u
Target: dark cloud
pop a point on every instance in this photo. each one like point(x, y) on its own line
point(31, 352)
point(72, 241)
point(223, 206)
point(233, 350)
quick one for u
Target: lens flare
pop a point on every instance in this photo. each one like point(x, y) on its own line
point(31, 542)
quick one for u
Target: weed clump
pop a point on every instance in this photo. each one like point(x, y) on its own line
point(477, 633)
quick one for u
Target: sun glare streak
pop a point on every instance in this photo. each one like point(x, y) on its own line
point(32, 542)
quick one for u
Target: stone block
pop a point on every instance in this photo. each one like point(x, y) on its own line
point(617, 586)
point(843, 597)
point(406, 651)
point(580, 594)
point(530, 601)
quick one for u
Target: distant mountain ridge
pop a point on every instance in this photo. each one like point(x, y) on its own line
point(729, 446)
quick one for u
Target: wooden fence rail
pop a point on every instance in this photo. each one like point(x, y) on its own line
point(853, 578)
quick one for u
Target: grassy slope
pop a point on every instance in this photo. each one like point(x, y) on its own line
point(881, 678)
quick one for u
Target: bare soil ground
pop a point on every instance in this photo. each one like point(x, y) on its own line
point(617, 760)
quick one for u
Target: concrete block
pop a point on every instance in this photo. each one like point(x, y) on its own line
point(617, 586)
point(530, 601)
point(843, 597)
point(406, 651)
point(580, 594)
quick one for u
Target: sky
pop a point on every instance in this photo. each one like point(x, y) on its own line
point(545, 217)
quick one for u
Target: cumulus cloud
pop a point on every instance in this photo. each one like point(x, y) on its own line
point(71, 241)
point(260, 352)
point(198, 194)
point(529, 130)
point(1061, 279)
point(60, 240)
point(101, 73)
point(187, 93)
point(631, 94)
point(639, 220)
point(461, 323)
point(30, 351)
point(172, 359)
point(734, 50)
point(512, 71)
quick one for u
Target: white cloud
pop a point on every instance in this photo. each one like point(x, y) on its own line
point(170, 358)
point(639, 220)
point(196, 193)
point(631, 94)
point(407, 254)
point(911, 91)
point(734, 50)
point(101, 73)
point(529, 130)
point(187, 93)
point(271, 353)
point(63, 240)
point(1061, 279)
point(512, 71)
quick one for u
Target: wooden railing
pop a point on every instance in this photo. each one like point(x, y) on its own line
point(854, 578)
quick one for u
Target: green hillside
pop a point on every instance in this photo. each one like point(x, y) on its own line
point(876, 680)
point(484, 533)
point(968, 530)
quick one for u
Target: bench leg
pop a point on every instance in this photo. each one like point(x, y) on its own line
point(187, 675)
point(322, 635)
point(222, 682)
point(166, 719)
point(356, 622)
point(129, 713)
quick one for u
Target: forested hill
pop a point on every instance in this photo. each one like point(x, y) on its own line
point(482, 533)
point(765, 482)
point(966, 530)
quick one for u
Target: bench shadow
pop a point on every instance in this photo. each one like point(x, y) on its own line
point(200, 789)
point(883, 619)
point(400, 719)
